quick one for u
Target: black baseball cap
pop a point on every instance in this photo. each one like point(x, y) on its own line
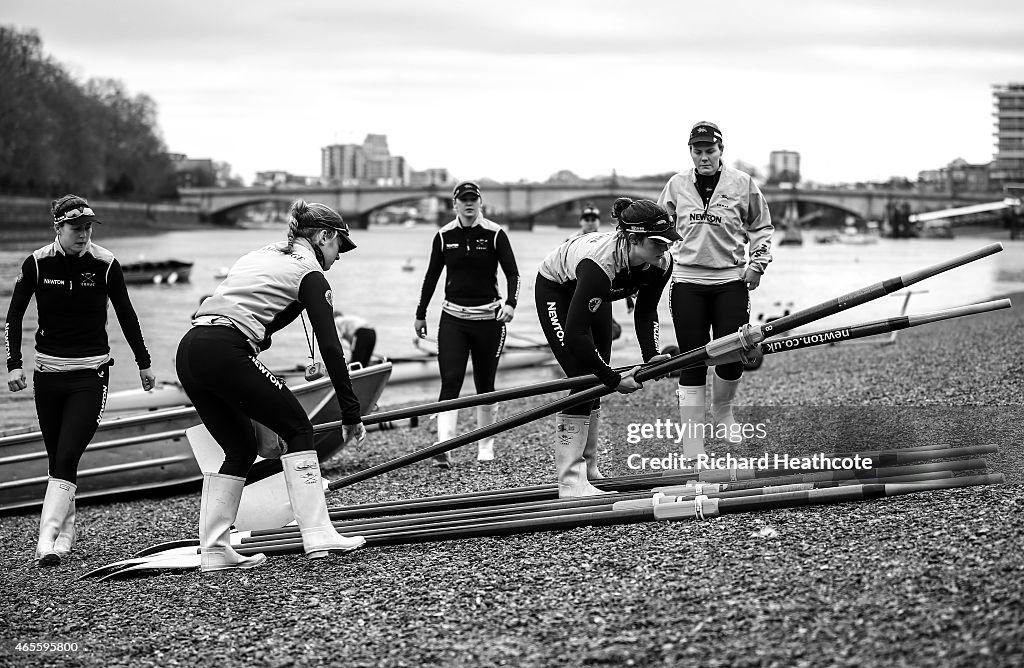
point(325, 218)
point(705, 132)
point(466, 188)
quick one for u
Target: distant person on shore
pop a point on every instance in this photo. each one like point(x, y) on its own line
point(72, 279)
point(576, 284)
point(359, 335)
point(590, 221)
point(473, 314)
point(726, 232)
point(219, 369)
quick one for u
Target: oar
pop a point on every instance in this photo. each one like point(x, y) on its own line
point(744, 340)
point(850, 332)
point(596, 513)
point(537, 509)
point(689, 490)
point(630, 511)
point(668, 482)
point(530, 342)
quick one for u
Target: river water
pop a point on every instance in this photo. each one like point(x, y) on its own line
point(371, 282)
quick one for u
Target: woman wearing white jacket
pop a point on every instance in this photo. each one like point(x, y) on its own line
point(726, 232)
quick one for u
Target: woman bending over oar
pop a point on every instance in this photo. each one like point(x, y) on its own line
point(217, 365)
point(575, 287)
point(72, 280)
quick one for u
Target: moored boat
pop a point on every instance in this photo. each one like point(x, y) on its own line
point(167, 272)
point(136, 453)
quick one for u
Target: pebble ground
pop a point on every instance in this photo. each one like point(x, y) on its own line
point(931, 579)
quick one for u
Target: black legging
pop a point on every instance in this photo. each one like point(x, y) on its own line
point(229, 386)
point(364, 340)
point(457, 340)
point(700, 309)
point(553, 324)
point(69, 405)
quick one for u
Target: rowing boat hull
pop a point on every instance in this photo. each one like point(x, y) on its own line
point(167, 395)
point(166, 271)
point(136, 453)
point(416, 371)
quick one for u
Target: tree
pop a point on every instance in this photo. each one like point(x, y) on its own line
point(58, 136)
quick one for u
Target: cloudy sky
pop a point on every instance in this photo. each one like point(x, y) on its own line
point(511, 89)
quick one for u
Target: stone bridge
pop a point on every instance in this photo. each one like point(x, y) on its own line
point(520, 204)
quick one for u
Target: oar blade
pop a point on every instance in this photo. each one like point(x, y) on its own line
point(208, 453)
point(173, 553)
point(264, 505)
point(171, 562)
point(166, 547)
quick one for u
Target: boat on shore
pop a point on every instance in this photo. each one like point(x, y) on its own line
point(166, 272)
point(136, 453)
point(421, 368)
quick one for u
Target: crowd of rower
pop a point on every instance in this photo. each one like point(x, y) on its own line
point(708, 236)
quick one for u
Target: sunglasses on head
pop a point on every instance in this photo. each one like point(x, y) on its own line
point(74, 213)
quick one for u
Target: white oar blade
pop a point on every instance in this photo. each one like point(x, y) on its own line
point(174, 562)
point(264, 505)
point(208, 453)
point(113, 567)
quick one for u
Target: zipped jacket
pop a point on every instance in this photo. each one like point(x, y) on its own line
point(716, 237)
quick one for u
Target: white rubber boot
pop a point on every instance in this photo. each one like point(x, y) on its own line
point(590, 449)
point(221, 494)
point(570, 439)
point(722, 394)
point(484, 418)
point(59, 495)
point(691, 418)
point(447, 422)
point(306, 493)
point(68, 535)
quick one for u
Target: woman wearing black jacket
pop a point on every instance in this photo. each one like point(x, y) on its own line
point(473, 314)
point(72, 280)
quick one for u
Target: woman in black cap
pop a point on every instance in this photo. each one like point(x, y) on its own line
point(575, 286)
point(72, 280)
point(590, 220)
point(726, 232)
point(473, 314)
point(217, 365)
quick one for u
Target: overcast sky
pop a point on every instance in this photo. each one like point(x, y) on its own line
point(862, 89)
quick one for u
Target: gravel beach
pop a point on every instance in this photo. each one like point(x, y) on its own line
point(929, 579)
